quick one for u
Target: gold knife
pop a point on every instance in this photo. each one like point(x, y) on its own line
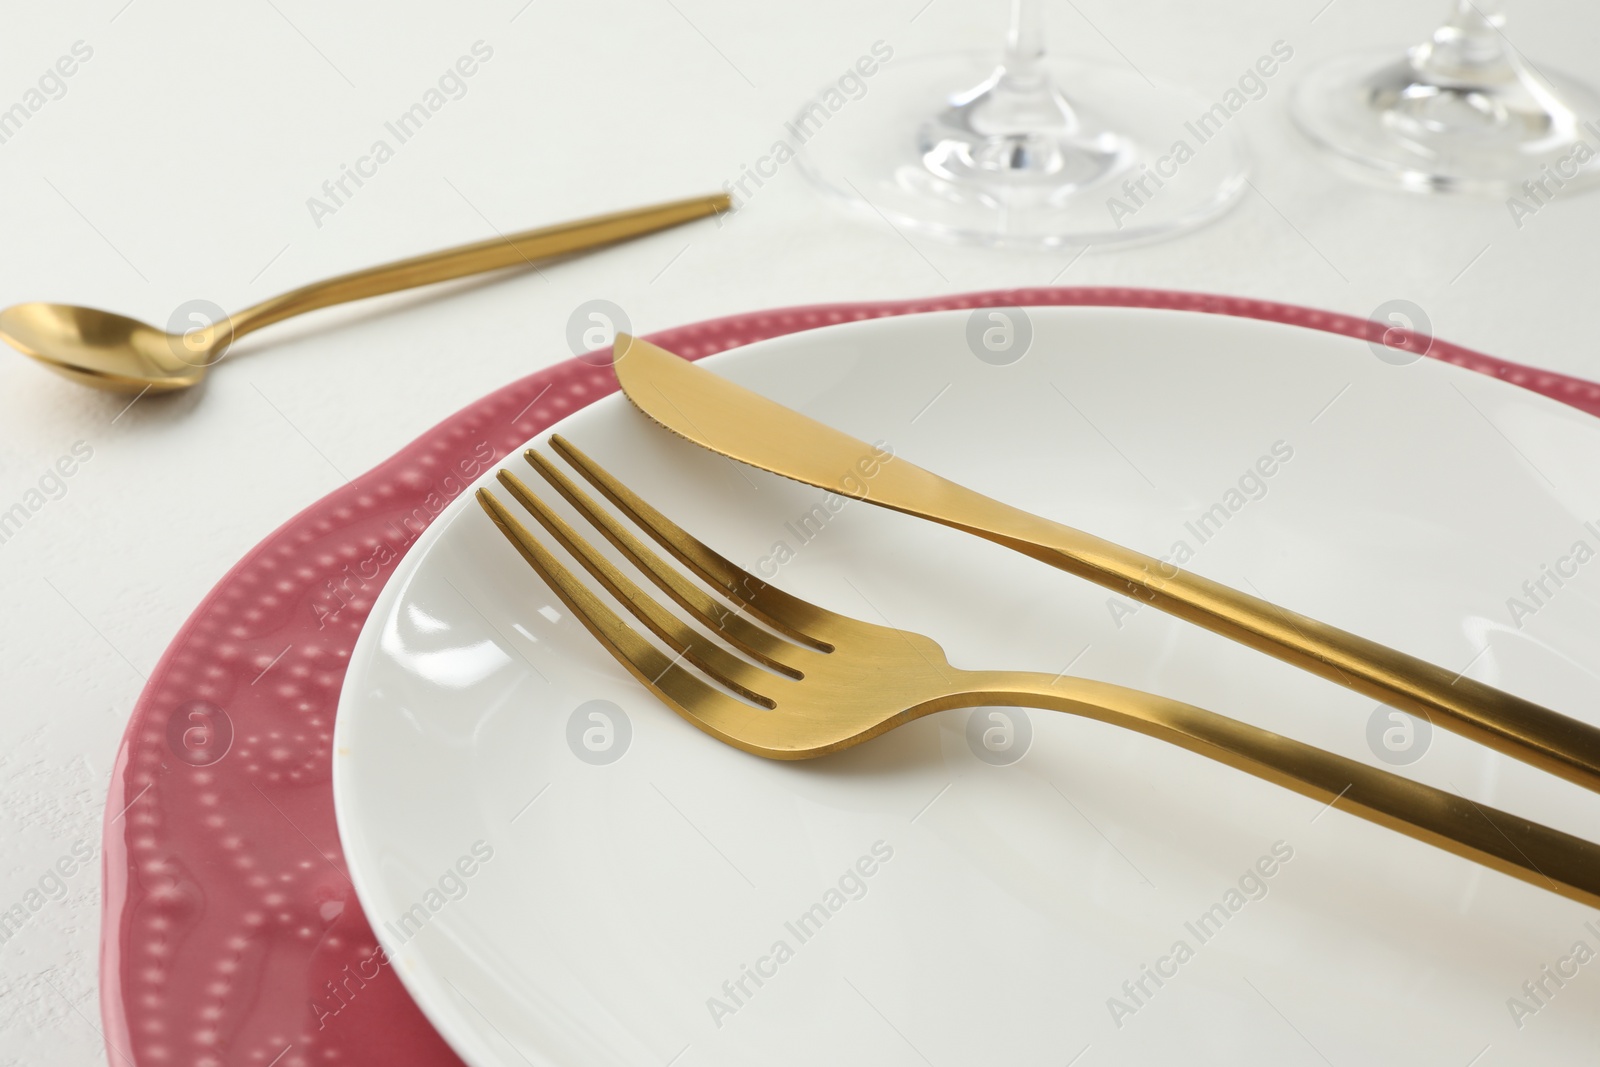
point(729, 419)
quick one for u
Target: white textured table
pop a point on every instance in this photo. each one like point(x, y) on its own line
point(176, 164)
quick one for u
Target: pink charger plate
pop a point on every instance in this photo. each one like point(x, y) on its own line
point(231, 932)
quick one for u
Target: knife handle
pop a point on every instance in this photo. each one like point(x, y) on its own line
point(1502, 721)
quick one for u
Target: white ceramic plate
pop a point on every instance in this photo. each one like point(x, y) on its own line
point(647, 910)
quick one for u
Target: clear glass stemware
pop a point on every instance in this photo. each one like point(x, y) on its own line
point(1464, 111)
point(1034, 151)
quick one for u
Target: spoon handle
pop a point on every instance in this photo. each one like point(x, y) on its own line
point(497, 253)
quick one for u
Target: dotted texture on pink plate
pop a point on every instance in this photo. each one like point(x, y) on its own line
point(231, 933)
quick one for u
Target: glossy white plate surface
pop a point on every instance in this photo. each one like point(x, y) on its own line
point(638, 872)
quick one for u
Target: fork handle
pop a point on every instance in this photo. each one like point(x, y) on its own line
point(1539, 855)
point(1502, 721)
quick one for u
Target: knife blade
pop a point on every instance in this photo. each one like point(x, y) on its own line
point(726, 418)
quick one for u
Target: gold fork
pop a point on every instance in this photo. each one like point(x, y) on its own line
point(811, 681)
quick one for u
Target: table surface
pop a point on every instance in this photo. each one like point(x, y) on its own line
point(177, 163)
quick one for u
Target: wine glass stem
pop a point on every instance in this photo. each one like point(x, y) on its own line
point(1467, 45)
point(1478, 12)
point(1025, 41)
point(1474, 26)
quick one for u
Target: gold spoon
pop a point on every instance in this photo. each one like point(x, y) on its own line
point(124, 355)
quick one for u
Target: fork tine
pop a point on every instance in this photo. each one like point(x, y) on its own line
point(723, 666)
point(788, 615)
point(728, 621)
point(712, 710)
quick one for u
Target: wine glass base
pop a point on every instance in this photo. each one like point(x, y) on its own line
point(1120, 161)
point(1380, 110)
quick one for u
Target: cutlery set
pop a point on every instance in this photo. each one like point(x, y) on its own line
point(807, 681)
point(774, 675)
point(786, 679)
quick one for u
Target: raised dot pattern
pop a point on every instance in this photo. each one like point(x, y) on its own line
point(231, 933)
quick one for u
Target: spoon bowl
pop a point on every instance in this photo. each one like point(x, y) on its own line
point(108, 351)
